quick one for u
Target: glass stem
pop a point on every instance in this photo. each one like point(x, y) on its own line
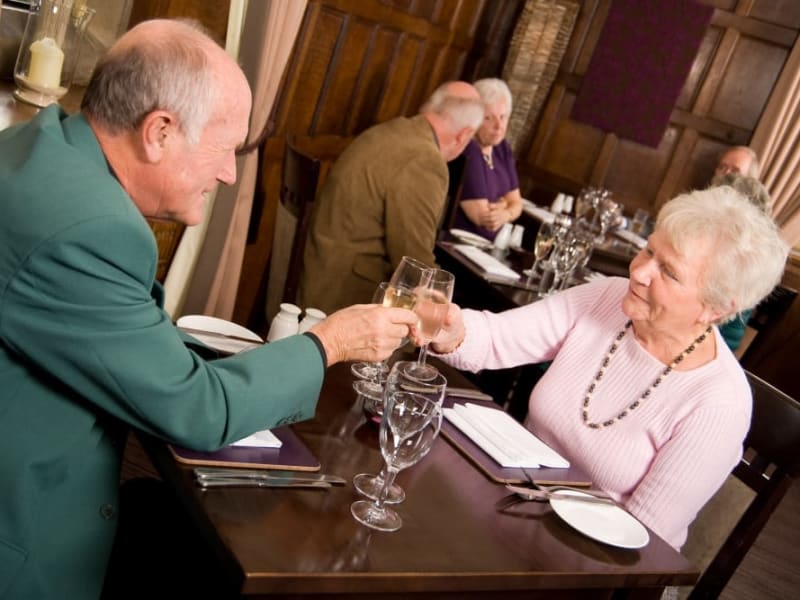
point(388, 480)
point(423, 354)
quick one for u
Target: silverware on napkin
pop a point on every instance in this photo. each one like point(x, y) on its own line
point(268, 475)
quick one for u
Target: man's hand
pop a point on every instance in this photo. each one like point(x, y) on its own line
point(366, 332)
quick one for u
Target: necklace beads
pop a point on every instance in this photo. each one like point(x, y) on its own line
point(647, 393)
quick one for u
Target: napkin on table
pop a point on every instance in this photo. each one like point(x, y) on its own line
point(260, 439)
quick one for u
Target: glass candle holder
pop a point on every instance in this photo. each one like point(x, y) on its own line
point(49, 50)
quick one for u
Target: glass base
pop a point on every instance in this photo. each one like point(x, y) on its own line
point(423, 372)
point(370, 486)
point(382, 519)
point(368, 370)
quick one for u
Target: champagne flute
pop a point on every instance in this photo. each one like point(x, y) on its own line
point(431, 307)
point(400, 378)
point(410, 275)
point(410, 424)
point(372, 372)
point(545, 238)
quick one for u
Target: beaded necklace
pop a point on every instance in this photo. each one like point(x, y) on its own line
point(604, 365)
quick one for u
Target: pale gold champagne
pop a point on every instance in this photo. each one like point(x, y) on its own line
point(431, 309)
point(399, 298)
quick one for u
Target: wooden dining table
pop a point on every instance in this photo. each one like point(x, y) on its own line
point(456, 540)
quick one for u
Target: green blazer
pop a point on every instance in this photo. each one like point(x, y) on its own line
point(86, 352)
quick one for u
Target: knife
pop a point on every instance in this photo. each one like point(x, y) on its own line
point(221, 336)
point(266, 475)
point(208, 482)
point(472, 394)
point(534, 495)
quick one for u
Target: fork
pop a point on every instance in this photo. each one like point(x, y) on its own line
point(559, 488)
point(541, 495)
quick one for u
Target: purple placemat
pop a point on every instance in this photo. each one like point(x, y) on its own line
point(543, 475)
point(293, 455)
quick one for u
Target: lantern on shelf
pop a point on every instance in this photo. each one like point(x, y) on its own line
point(49, 50)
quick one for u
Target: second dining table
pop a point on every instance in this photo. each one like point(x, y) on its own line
point(456, 541)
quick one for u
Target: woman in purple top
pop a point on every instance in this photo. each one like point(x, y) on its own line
point(490, 195)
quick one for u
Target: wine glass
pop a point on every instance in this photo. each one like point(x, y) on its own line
point(431, 307)
point(400, 378)
point(410, 275)
point(372, 372)
point(545, 238)
point(410, 425)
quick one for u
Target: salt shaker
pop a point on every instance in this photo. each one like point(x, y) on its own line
point(285, 322)
point(311, 318)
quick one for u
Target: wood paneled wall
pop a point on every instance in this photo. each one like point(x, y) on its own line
point(357, 63)
point(736, 68)
point(360, 62)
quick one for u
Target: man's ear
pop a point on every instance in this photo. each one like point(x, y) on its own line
point(464, 135)
point(155, 131)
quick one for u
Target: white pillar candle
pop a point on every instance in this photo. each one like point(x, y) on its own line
point(46, 62)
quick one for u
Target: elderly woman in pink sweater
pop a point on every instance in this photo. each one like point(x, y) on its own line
point(643, 393)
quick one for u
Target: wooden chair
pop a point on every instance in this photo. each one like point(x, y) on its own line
point(769, 465)
point(298, 190)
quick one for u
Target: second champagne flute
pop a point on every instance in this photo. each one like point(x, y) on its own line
point(433, 301)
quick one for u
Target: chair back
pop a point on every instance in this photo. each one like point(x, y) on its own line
point(770, 462)
point(298, 190)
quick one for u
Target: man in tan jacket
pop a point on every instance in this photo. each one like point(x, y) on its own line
point(384, 198)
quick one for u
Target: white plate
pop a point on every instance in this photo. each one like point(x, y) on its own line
point(605, 523)
point(216, 325)
point(471, 238)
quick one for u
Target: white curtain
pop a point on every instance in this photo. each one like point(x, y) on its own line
point(205, 274)
point(777, 142)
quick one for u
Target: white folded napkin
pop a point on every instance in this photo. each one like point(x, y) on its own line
point(501, 437)
point(260, 439)
point(537, 212)
point(488, 263)
point(631, 237)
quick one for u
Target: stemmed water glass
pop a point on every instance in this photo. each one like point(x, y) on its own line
point(431, 307)
point(400, 378)
point(410, 425)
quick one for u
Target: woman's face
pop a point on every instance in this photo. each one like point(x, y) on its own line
point(665, 286)
point(495, 120)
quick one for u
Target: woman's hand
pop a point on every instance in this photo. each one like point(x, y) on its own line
point(366, 332)
point(452, 332)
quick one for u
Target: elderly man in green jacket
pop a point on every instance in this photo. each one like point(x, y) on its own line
point(85, 349)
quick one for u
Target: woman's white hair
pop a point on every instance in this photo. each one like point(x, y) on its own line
point(492, 89)
point(748, 255)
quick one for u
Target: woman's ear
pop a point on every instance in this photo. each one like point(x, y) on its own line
point(155, 131)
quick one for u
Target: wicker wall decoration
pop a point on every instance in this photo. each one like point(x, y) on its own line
point(537, 46)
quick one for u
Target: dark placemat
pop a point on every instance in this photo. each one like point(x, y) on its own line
point(491, 468)
point(293, 455)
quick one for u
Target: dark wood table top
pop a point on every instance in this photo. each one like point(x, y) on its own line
point(453, 543)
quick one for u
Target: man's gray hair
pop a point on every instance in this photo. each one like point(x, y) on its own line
point(168, 73)
point(460, 111)
point(748, 255)
point(492, 89)
point(750, 187)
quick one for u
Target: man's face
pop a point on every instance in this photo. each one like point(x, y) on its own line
point(734, 161)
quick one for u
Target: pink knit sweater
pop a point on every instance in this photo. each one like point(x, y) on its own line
point(666, 458)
